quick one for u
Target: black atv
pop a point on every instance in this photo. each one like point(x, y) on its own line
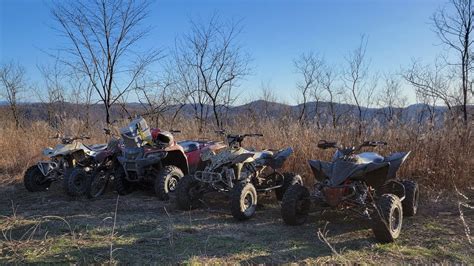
point(364, 183)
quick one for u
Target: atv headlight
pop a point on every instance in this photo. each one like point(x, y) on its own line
point(207, 155)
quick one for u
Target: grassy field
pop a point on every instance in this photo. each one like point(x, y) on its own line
point(137, 228)
point(51, 227)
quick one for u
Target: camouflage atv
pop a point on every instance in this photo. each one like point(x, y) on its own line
point(239, 172)
point(67, 155)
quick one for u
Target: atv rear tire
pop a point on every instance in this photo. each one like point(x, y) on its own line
point(75, 182)
point(387, 218)
point(167, 180)
point(34, 180)
point(97, 184)
point(289, 179)
point(187, 196)
point(295, 205)
point(410, 203)
point(122, 185)
point(243, 201)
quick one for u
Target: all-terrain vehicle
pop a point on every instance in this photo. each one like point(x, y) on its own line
point(64, 157)
point(159, 161)
point(93, 179)
point(364, 183)
point(241, 173)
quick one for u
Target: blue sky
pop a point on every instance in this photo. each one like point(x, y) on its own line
point(275, 32)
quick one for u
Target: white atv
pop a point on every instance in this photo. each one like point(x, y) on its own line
point(64, 157)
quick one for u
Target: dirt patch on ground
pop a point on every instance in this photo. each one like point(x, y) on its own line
point(51, 227)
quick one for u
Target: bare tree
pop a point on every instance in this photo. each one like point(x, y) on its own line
point(391, 98)
point(102, 35)
point(157, 96)
point(214, 61)
point(327, 81)
point(81, 92)
point(268, 98)
point(428, 106)
point(54, 92)
point(308, 66)
point(356, 76)
point(12, 77)
point(454, 30)
point(431, 82)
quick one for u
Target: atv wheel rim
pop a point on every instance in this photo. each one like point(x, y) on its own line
point(395, 219)
point(172, 183)
point(248, 204)
point(98, 184)
point(415, 201)
point(78, 182)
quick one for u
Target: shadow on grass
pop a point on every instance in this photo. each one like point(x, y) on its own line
point(148, 231)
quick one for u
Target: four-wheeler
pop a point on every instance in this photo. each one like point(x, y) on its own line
point(239, 172)
point(159, 161)
point(364, 183)
point(63, 158)
point(93, 179)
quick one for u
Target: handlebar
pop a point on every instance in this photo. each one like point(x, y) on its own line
point(237, 139)
point(66, 139)
point(323, 144)
point(373, 143)
point(174, 131)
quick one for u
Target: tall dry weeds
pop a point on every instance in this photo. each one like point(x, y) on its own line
point(438, 157)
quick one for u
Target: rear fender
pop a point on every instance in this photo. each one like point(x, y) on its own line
point(280, 157)
point(376, 174)
point(396, 160)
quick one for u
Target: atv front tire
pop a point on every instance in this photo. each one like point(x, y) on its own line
point(295, 205)
point(188, 196)
point(243, 201)
point(122, 185)
point(410, 203)
point(289, 179)
point(75, 182)
point(387, 218)
point(97, 185)
point(34, 180)
point(167, 180)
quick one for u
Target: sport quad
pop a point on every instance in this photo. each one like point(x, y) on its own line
point(93, 179)
point(239, 172)
point(155, 158)
point(364, 183)
point(64, 157)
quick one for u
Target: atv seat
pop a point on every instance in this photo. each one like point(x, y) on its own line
point(369, 157)
point(189, 145)
point(96, 147)
point(263, 155)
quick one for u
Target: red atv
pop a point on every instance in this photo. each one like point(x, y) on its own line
point(156, 158)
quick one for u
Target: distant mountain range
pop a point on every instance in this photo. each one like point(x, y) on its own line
point(257, 109)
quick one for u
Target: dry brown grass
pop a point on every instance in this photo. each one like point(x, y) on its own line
point(439, 156)
point(51, 227)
